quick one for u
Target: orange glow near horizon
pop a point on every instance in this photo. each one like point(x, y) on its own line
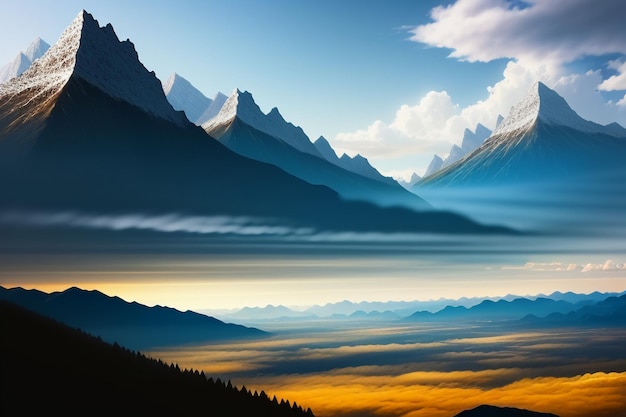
point(517, 370)
point(444, 394)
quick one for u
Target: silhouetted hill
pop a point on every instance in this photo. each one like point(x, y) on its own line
point(133, 325)
point(492, 411)
point(51, 369)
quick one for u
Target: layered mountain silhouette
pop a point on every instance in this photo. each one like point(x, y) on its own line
point(611, 312)
point(542, 139)
point(47, 368)
point(493, 411)
point(500, 310)
point(132, 325)
point(245, 129)
point(87, 127)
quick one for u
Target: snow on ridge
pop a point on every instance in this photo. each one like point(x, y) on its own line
point(241, 104)
point(50, 73)
point(523, 114)
point(114, 67)
point(97, 56)
point(214, 108)
point(542, 103)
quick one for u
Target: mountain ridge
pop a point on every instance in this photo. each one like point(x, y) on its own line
point(128, 323)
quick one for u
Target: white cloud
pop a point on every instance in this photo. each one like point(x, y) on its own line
point(550, 32)
point(615, 82)
point(423, 128)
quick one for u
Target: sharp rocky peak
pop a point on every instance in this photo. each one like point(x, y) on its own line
point(96, 55)
point(544, 104)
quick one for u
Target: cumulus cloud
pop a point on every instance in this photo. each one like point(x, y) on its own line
point(615, 82)
point(416, 128)
point(546, 31)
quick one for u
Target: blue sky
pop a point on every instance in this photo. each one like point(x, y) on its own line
point(395, 81)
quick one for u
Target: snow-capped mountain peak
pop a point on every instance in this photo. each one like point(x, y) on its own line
point(239, 104)
point(546, 105)
point(242, 105)
point(97, 56)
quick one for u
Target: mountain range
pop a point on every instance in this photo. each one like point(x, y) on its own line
point(609, 312)
point(245, 129)
point(200, 109)
point(132, 325)
point(88, 128)
point(507, 307)
point(500, 310)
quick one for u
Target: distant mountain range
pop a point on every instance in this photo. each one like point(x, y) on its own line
point(500, 310)
point(132, 325)
point(88, 128)
point(611, 311)
point(476, 308)
point(48, 368)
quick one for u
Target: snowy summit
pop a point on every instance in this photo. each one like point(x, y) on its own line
point(96, 55)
